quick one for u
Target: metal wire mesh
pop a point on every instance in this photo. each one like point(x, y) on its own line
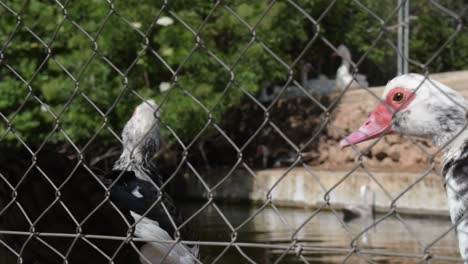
point(297, 248)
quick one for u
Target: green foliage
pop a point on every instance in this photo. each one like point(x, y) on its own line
point(83, 62)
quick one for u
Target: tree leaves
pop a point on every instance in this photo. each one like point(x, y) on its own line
point(99, 57)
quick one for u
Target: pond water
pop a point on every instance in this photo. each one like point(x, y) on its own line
point(403, 235)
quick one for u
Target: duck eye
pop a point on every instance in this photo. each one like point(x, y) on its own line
point(398, 97)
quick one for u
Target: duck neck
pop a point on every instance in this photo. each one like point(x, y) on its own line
point(136, 162)
point(450, 133)
point(455, 148)
point(345, 63)
point(343, 70)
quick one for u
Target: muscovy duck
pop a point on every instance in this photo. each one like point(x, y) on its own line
point(416, 105)
point(138, 192)
point(54, 209)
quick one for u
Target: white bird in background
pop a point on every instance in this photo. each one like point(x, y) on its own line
point(266, 96)
point(418, 106)
point(344, 78)
point(318, 86)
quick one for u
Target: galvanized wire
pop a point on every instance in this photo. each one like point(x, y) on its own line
point(295, 246)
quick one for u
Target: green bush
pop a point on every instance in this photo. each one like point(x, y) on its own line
point(83, 60)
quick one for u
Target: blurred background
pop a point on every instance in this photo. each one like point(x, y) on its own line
point(251, 107)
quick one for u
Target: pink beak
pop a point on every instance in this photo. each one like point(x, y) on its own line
point(378, 123)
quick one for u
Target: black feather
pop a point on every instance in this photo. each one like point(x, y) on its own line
point(81, 193)
point(150, 204)
point(456, 168)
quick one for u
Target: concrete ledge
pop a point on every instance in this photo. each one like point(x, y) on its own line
point(307, 189)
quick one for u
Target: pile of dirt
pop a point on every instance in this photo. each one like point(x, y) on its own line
point(300, 123)
point(389, 153)
point(290, 124)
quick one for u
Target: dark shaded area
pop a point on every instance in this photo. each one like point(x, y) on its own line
point(38, 199)
point(79, 207)
point(123, 197)
point(249, 126)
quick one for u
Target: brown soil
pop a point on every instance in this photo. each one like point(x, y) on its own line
point(392, 152)
point(303, 124)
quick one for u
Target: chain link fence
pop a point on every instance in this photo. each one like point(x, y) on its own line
point(63, 226)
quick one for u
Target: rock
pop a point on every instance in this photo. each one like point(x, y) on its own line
point(387, 162)
point(393, 139)
point(381, 147)
point(394, 154)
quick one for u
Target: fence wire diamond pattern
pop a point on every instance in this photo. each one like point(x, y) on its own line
point(297, 248)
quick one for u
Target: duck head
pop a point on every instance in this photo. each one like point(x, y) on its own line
point(140, 136)
point(343, 52)
point(141, 133)
point(415, 105)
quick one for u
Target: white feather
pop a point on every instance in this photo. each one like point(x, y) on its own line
point(161, 253)
point(434, 102)
point(136, 192)
point(344, 78)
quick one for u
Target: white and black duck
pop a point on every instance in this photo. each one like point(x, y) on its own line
point(47, 194)
point(418, 106)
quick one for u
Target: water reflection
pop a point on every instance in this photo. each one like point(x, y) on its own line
point(402, 234)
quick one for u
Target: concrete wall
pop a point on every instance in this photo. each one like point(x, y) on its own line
point(303, 187)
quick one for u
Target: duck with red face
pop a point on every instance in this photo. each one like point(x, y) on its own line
point(415, 105)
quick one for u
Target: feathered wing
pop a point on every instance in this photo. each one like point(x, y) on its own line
point(362, 80)
point(320, 86)
point(139, 197)
point(79, 196)
point(142, 197)
point(158, 252)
